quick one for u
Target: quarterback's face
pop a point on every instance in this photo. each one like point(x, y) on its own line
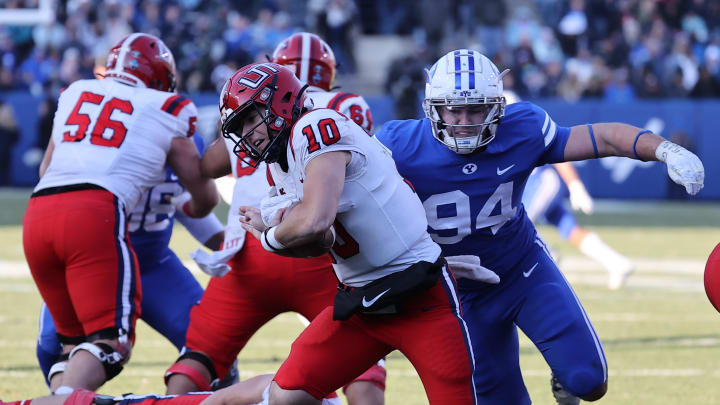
point(464, 121)
point(255, 131)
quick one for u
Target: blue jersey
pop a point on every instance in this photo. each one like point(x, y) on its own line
point(473, 202)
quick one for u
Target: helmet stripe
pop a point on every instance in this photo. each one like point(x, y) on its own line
point(471, 68)
point(457, 71)
point(306, 44)
point(124, 49)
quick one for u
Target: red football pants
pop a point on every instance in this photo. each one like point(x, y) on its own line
point(429, 332)
point(260, 286)
point(77, 247)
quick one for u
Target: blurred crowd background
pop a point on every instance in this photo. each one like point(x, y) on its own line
point(613, 50)
point(616, 49)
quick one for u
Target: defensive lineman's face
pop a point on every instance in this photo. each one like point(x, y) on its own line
point(465, 120)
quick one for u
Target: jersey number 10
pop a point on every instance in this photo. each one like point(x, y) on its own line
point(102, 123)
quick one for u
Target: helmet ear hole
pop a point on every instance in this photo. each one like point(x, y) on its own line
point(286, 98)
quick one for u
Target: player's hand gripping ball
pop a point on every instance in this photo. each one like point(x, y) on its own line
point(712, 277)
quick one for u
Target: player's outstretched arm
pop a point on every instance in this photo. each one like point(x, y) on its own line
point(184, 160)
point(618, 139)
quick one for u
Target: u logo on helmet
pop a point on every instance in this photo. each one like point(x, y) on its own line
point(253, 82)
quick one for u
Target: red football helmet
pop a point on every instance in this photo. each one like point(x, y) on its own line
point(309, 57)
point(275, 94)
point(142, 59)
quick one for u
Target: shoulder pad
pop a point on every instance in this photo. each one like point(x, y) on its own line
point(175, 103)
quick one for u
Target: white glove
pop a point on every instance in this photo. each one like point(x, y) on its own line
point(213, 264)
point(269, 206)
point(579, 197)
point(468, 266)
point(180, 200)
point(684, 167)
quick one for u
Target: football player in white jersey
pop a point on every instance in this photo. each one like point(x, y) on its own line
point(344, 193)
point(111, 140)
point(237, 304)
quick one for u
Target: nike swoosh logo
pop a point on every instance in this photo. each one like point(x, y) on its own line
point(527, 274)
point(501, 172)
point(367, 303)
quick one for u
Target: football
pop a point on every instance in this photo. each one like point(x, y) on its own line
point(712, 277)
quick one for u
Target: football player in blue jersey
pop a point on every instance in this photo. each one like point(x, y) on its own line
point(469, 161)
point(171, 290)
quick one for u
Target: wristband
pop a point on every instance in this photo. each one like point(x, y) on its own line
point(269, 242)
point(644, 131)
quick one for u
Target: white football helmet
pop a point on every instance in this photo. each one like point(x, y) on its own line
point(464, 78)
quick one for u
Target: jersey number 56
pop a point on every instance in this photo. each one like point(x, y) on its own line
point(102, 123)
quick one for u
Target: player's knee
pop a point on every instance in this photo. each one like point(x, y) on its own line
point(596, 394)
point(586, 383)
point(364, 393)
point(369, 387)
point(279, 396)
point(111, 353)
point(192, 368)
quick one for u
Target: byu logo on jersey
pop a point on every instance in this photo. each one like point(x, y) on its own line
point(469, 168)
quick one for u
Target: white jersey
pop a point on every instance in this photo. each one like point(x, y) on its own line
point(115, 136)
point(251, 183)
point(381, 225)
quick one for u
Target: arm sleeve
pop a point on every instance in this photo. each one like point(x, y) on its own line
point(201, 229)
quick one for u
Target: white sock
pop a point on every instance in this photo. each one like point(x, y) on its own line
point(593, 247)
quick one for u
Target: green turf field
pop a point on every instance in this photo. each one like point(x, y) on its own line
point(660, 334)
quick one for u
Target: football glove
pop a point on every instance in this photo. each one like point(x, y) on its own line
point(213, 264)
point(269, 206)
point(684, 167)
point(579, 197)
point(468, 266)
